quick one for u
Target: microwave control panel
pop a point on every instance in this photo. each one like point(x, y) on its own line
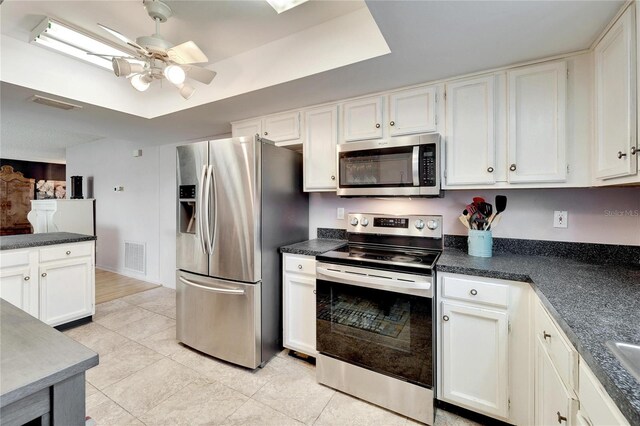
point(428, 166)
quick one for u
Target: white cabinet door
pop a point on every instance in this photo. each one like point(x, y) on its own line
point(470, 135)
point(615, 58)
point(537, 128)
point(552, 401)
point(247, 128)
point(66, 290)
point(412, 111)
point(19, 283)
point(475, 341)
point(319, 149)
point(300, 313)
point(282, 127)
point(363, 119)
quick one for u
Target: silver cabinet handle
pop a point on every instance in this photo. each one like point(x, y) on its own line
point(490, 169)
point(621, 154)
point(377, 125)
point(314, 291)
point(545, 335)
point(473, 292)
point(512, 167)
point(393, 123)
point(266, 133)
point(44, 274)
point(299, 266)
point(445, 318)
point(333, 177)
point(561, 418)
point(634, 150)
point(27, 278)
point(212, 289)
point(68, 252)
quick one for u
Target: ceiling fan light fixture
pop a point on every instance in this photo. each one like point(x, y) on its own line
point(175, 74)
point(141, 82)
point(124, 68)
point(284, 5)
point(186, 91)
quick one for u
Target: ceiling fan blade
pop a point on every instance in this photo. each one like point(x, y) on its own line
point(203, 75)
point(123, 38)
point(187, 53)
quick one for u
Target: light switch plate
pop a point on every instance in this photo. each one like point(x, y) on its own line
point(340, 213)
point(560, 219)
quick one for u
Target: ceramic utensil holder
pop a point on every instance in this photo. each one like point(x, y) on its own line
point(480, 243)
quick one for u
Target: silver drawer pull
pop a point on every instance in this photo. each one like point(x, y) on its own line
point(561, 418)
point(545, 335)
point(621, 154)
point(299, 266)
point(213, 289)
point(44, 274)
point(68, 252)
point(27, 278)
point(473, 292)
point(445, 318)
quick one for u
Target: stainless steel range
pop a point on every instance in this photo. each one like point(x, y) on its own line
point(374, 312)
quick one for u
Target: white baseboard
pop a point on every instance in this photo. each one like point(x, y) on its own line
point(130, 275)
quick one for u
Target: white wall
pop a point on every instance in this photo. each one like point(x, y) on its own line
point(602, 215)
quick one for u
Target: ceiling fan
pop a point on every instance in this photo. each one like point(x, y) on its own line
point(157, 58)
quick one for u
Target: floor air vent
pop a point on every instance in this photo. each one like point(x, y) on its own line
point(134, 256)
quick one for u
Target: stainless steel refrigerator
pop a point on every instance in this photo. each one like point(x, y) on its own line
point(239, 200)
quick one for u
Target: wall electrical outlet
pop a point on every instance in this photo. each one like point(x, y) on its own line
point(560, 219)
point(340, 213)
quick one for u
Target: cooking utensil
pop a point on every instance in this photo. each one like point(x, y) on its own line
point(501, 205)
point(478, 200)
point(464, 221)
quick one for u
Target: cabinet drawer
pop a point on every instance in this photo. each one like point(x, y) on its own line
point(475, 291)
point(300, 264)
point(14, 258)
point(561, 352)
point(65, 251)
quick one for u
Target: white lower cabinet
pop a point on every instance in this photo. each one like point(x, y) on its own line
point(475, 339)
point(299, 303)
point(55, 284)
point(483, 346)
point(19, 279)
point(66, 290)
point(554, 403)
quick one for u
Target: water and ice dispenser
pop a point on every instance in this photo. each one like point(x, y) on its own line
point(187, 211)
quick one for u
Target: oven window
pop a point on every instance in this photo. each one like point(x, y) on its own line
point(387, 332)
point(377, 167)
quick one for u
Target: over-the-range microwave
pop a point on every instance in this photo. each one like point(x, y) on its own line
point(406, 166)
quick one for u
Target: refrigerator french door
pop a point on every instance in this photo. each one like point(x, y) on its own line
point(239, 200)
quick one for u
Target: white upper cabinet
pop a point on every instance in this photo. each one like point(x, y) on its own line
point(363, 119)
point(470, 132)
point(282, 127)
point(615, 58)
point(247, 128)
point(319, 149)
point(412, 111)
point(537, 148)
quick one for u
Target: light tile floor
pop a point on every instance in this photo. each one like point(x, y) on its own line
point(145, 377)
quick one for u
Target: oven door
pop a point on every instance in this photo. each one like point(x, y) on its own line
point(381, 327)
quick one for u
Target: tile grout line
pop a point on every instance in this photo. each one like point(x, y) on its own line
point(325, 407)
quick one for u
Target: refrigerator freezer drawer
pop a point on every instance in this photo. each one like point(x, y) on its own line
point(220, 318)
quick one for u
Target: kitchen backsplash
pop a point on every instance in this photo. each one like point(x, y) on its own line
point(595, 215)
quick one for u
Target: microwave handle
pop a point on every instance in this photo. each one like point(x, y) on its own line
point(415, 165)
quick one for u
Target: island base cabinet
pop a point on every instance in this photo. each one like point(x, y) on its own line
point(19, 281)
point(553, 401)
point(475, 340)
point(66, 290)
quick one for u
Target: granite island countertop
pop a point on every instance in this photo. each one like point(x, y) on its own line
point(12, 242)
point(592, 304)
point(314, 247)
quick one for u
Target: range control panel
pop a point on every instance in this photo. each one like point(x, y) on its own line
point(402, 225)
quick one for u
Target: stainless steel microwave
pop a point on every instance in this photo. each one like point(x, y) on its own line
point(407, 166)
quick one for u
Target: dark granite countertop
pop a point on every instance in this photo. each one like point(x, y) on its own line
point(11, 242)
point(314, 247)
point(592, 303)
point(34, 356)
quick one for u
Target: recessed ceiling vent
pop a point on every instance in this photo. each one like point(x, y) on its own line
point(53, 103)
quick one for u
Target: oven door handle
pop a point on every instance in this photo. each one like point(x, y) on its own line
point(418, 288)
point(415, 165)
